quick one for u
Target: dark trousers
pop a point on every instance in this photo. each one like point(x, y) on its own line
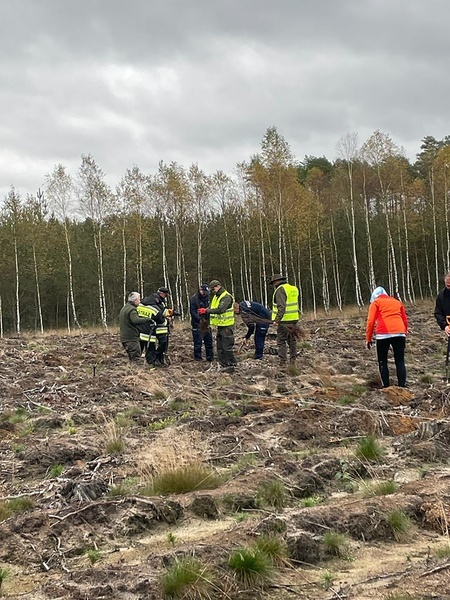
point(398, 346)
point(202, 337)
point(155, 351)
point(285, 340)
point(133, 350)
point(260, 337)
point(225, 343)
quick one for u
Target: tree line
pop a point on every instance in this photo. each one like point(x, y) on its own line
point(72, 252)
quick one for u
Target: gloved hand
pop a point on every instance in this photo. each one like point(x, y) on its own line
point(202, 311)
point(369, 345)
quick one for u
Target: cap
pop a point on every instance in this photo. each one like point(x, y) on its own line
point(164, 290)
point(213, 283)
point(277, 277)
point(205, 287)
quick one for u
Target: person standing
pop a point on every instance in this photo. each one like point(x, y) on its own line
point(442, 308)
point(221, 315)
point(285, 315)
point(158, 300)
point(258, 319)
point(201, 330)
point(129, 321)
point(147, 332)
point(387, 318)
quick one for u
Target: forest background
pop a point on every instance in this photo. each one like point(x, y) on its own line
point(73, 250)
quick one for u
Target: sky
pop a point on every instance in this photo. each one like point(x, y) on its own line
point(136, 82)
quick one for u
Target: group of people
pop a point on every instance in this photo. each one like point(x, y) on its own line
point(144, 325)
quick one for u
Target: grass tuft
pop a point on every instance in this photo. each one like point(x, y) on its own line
point(15, 506)
point(274, 547)
point(400, 523)
point(381, 488)
point(336, 544)
point(251, 567)
point(443, 551)
point(369, 449)
point(184, 479)
point(188, 578)
point(272, 493)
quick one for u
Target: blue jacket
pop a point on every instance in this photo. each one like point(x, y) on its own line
point(198, 301)
point(253, 313)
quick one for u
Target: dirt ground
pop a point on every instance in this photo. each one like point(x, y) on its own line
point(84, 435)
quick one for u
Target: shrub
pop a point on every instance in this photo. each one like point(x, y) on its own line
point(185, 479)
point(369, 449)
point(251, 567)
point(273, 493)
point(187, 578)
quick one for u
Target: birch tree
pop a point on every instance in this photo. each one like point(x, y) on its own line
point(60, 195)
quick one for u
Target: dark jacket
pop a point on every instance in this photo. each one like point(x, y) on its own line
point(253, 313)
point(129, 321)
point(155, 300)
point(442, 308)
point(198, 301)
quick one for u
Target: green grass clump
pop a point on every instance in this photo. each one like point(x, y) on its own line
point(19, 416)
point(426, 378)
point(184, 479)
point(251, 567)
point(382, 488)
point(161, 424)
point(327, 579)
point(400, 523)
point(4, 574)
point(346, 400)
point(310, 501)
point(401, 596)
point(188, 578)
point(55, 471)
point(336, 544)
point(274, 547)
point(443, 551)
point(369, 449)
point(93, 555)
point(273, 493)
point(15, 506)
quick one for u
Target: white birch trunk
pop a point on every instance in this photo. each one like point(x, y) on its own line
point(38, 291)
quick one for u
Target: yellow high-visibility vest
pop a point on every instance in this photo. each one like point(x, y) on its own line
point(292, 312)
point(225, 319)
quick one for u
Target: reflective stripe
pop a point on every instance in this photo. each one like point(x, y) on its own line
point(292, 312)
point(225, 319)
point(161, 329)
point(144, 337)
point(147, 311)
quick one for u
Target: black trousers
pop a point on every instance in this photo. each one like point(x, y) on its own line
point(202, 337)
point(398, 346)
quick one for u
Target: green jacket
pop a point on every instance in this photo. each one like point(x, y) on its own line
point(128, 321)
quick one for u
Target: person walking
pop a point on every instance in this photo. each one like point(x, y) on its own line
point(201, 330)
point(221, 315)
point(285, 316)
point(161, 332)
point(387, 318)
point(129, 321)
point(442, 308)
point(258, 319)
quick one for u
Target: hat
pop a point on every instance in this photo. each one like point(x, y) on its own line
point(164, 290)
point(277, 277)
point(213, 283)
point(204, 287)
point(378, 291)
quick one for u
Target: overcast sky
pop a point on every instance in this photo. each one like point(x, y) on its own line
point(139, 81)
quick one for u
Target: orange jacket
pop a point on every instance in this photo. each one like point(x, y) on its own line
point(386, 316)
